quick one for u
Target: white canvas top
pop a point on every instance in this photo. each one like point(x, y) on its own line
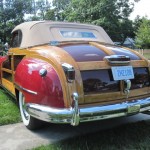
point(43, 32)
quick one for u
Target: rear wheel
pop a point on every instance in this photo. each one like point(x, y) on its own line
point(29, 121)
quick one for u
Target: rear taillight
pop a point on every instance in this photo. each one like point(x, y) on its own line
point(69, 72)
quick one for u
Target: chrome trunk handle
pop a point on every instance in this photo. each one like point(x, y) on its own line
point(127, 86)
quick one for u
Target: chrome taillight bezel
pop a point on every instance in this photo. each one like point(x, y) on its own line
point(69, 72)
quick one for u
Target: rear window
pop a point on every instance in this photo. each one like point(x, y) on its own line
point(77, 34)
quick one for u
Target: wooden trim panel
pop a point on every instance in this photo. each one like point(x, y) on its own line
point(116, 96)
point(102, 47)
point(95, 65)
point(7, 70)
point(8, 85)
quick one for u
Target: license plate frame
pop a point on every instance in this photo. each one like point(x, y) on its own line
point(122, 72)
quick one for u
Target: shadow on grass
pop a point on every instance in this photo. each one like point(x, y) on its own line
point(125, 137)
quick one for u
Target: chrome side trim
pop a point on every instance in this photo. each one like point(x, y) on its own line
point(29, 91)
point(26, 90)
point(74, 115)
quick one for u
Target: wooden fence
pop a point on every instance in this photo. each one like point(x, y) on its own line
point(143, 51)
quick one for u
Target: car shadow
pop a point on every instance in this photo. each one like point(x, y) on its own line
point(57, 132)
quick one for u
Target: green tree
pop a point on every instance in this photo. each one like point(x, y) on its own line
point(143, 34)
point(11, 14)
point(42, 7)
point(61, 4)
point(137, 22)
point(51, 14)
point(41, 10)
point(60, 7)
point(5, 15)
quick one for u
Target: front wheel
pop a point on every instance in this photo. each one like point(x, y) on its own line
point(29, 121)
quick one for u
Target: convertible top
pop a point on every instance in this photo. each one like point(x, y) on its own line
point(43, 32)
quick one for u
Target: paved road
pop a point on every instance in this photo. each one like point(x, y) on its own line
point(17, 137)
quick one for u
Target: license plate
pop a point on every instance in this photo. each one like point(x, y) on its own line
point(122, 73)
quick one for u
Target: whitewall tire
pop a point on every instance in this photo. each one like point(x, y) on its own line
point(30, 122)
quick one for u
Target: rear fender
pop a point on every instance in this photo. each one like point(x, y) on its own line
point(45, 90)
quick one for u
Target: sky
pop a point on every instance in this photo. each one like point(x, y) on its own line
point(142, 8)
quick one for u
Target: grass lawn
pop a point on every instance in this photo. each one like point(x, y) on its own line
point(147, 55)
point(9, 111)
point(135, 136)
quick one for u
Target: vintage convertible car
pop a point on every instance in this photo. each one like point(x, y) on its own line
point(70, 73)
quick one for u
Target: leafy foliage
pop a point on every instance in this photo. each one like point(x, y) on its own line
point(143, 34)
point(137, 22)
point(41, 7)
point(51, 14)
point(11, 14)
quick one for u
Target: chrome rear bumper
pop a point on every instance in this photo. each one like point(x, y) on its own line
point(74, 115)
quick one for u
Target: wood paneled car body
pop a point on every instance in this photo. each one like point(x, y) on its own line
point(72, 73)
